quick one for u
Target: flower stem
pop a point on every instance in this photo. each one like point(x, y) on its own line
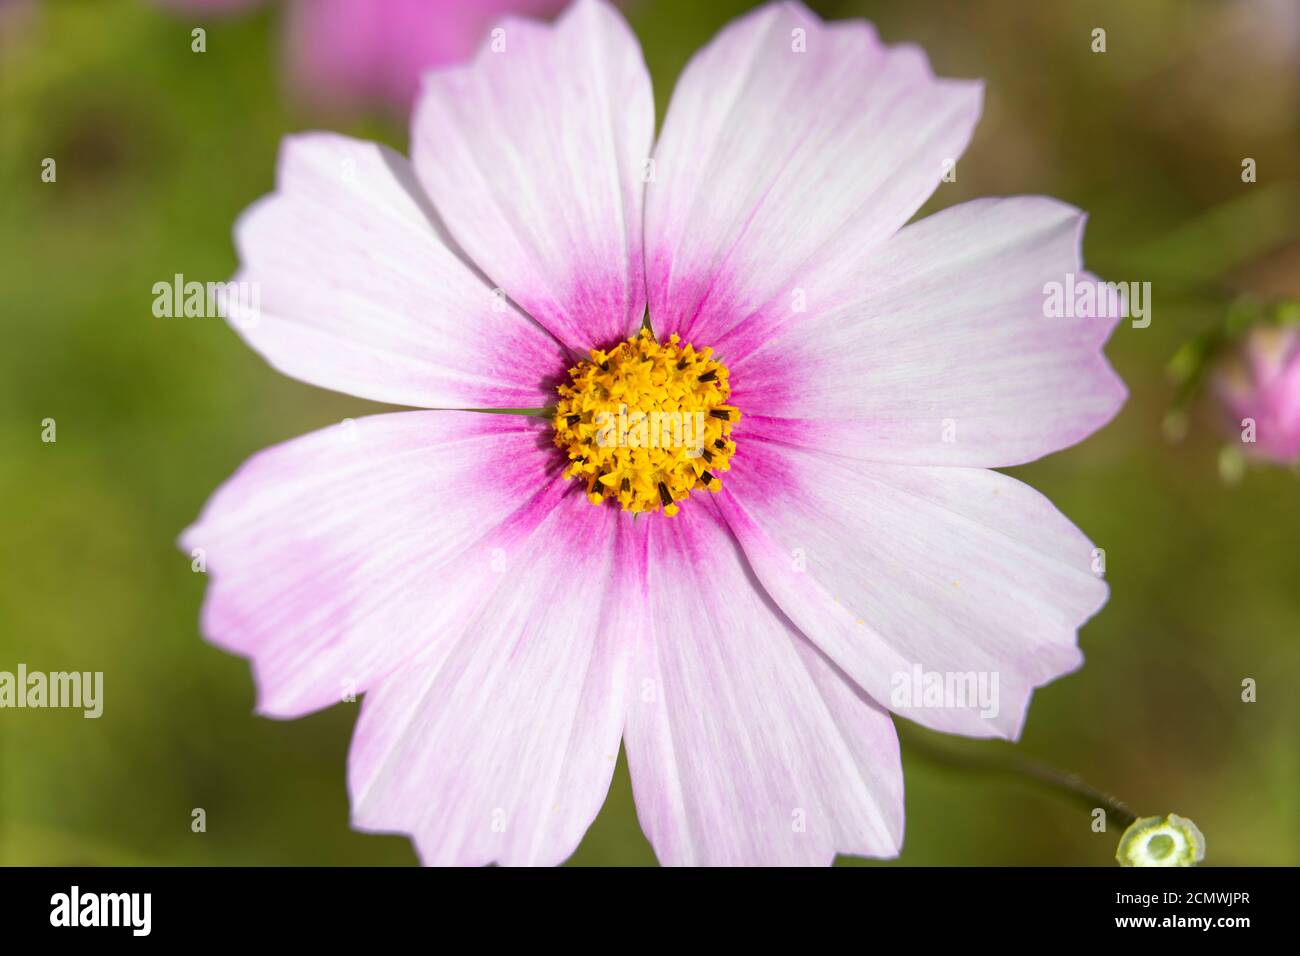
point(1013, 764)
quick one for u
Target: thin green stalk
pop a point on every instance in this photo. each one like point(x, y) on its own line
point(1013, 764)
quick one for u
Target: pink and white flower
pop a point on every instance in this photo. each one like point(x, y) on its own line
point(508, 634)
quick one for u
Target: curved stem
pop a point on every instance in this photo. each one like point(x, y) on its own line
point(1012, 764)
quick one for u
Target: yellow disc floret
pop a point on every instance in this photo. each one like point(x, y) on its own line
point(646, 423)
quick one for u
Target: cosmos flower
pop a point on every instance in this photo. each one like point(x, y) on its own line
point(514, 593)
point(1258, 385)
point(349, 53)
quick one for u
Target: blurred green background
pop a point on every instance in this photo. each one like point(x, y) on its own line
point(159, 149)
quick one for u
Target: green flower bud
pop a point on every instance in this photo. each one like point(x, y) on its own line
point(1151, 841)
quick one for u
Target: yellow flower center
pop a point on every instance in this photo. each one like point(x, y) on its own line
point(646, 423)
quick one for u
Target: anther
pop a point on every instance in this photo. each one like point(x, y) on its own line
point(627, 412)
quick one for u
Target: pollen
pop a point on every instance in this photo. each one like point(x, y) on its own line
point(646, 423)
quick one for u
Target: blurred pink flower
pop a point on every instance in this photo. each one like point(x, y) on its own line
point(1260, 382)
point(511, 626)
point(350, 53)
point(355, 51)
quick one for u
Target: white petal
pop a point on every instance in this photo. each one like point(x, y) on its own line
point(789, 144)
point(892, 570)
point(745, 745)
point(499, 745)
point(939, 351)
point(341, 555)
point(534, 155)
point(360, 292)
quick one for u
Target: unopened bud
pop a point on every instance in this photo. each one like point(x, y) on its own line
point(1151, 841)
